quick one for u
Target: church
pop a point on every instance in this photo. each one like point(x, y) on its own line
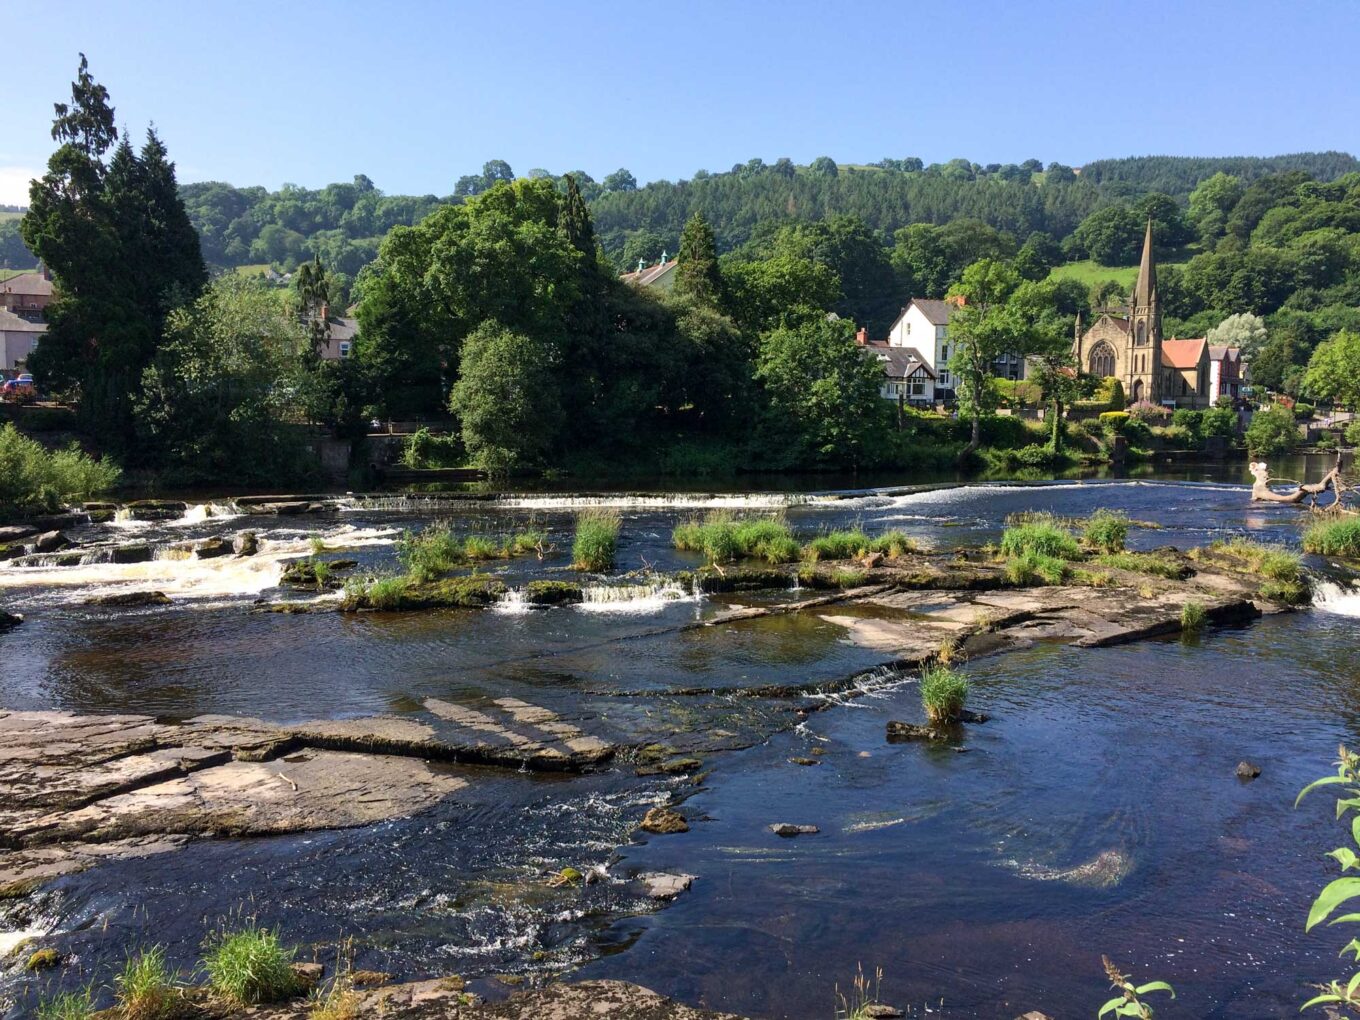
point(1127, 344)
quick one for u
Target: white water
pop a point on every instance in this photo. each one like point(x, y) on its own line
point(514, 603)
point(1330, 597)
point(176, 573)
point(665, 501)
point(635, 598)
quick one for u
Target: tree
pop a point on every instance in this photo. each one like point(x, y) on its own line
point(982, 328)
point(576, 223)
point(1272, 430)
point(1334, 370)
point(1112, 236)
point(782, 290)
point(824, 166)
point(1242, 330)
point(620, 180)
point(922, 261)
point(1169, 226)
point(1212, 202)
point(1048, 343)
point(507, 398)
point(823, 391)
point(696, 275)
point(313, 292)
point(847, 246)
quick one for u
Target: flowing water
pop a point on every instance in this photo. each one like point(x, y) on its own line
point(1096, 813)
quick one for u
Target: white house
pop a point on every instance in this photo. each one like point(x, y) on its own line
point(924, 325)
point(1227, 373)
point(18, 337)
point(906, 373)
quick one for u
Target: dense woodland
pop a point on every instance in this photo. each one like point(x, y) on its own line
point(502, 305)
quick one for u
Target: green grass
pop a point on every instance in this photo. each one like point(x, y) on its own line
point(1090, 272)
point(838, 545)
point(1106, 531)
point(894, 544)
point(1289, 593)
point(722, 538)
point(1270, 561)
point(1042, 537)
point(1145, 563)
point(1334, 538)
point(257, 269)
point(1193, 617)
point(68, 1006)
point(1032, 567)
point(943, 693)
point(146, 989)
point(250, 967)
point(438, 549)
point(596, 541)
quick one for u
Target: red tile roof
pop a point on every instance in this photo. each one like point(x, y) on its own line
point(1182, 354)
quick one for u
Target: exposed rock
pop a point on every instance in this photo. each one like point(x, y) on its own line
point(880, 1011)
point(804, 761)
point(661, 886)
point(308, 975)
point(11, 551)
point(138, 553)
point(903, 731)
point(247, 543)
point(51, 541)
point(8, 621)
point(473, 591)
point(679, 766)
point(43, 959)
point(211, 548)
point(155, 510)
point(663, 821)
point(1248, 771)
point(787, 830)
point(1034, 1014)
point(127, 599)
point(553, 593)
point(15, 532)
point(370, 978)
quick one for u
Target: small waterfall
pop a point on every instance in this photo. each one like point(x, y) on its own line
point(662, 501)
point(514, 603)
point(200, 512)
point(635, 598)
point(1338, 599)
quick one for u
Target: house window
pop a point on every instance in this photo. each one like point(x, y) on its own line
point(908, 327)
point(344, 348)
point(918, 389)
point(944, 353)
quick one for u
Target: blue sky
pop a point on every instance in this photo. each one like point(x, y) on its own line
point(415, 94)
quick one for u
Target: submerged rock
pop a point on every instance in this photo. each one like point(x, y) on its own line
point(139, 553)
point(787, 830)
point(664, 822)
point(127, 599)
point(662, 886)
point(1248, 771)
point(1108, 868)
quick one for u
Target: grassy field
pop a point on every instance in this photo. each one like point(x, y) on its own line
point(9, 274)
point(1091, 273)
point(11, 215)
point(253, 270)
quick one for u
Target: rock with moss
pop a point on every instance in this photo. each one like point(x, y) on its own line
point(473, 591)
point(553, 593)
point(662, 821)
point(155, 510)
point(730, 579)
point(43, 959)
point(129, 599)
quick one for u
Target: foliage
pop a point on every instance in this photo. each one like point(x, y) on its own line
point(146, 989)
point(1334, 370)
point(1114, 421)
point(1273, 430)
point(863, 994)
point(423, 449)
point(722, 538)
point(1144, 563)
point(1106, 530)
point(1220, 421)
point(250, 966)
point(696, 275)
point(36, 480)
point(1032, 567)
point(983, 328)
point(77, 1005)
point(944, 691)
point(1129, 1002)
point(838, 545)
point(1338, 537)
point(1271, 561)
point(1353, 433)
point(1193, 617)
point(1042, 537)
point(506, 397)
point(438, 549)
point(597, 536)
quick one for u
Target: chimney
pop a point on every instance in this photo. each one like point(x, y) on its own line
point(46, 273)
point(862, 337)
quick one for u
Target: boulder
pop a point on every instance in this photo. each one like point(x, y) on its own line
point(12, 551)
point(15, 532)
point(211, 548)
point(140, 553)
point(51, 541)
point(308, 975)
point(788, 830)
point(8, 621)
point(661, 886)
point(155, 510)
point(247, 543)
point(880, 1011)
point(663, 822)
point(128, 599)
point(903, 731)
point(1247, 770)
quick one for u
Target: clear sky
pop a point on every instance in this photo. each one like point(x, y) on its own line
point(415, 93)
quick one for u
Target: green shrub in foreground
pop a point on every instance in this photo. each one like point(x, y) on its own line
point(597, 537)
point(146, 988)
point(1035, 568)
point(34, 480)
point(943, 693)
point(250, 967)
point(1106, 531)
point(1339, 537)
point(1040, 537)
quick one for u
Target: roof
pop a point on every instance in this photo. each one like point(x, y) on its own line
point(11, 323)
point(1222, 352)
point(648, 276)
point(1183, 353)
point(29, 284)
point(343, 329)
point(1146, 288)
point(936, 311)
point(901, 362)
point(1115, 320)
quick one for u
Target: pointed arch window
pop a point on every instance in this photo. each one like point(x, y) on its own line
point(1140, 332)
point(1102, 360)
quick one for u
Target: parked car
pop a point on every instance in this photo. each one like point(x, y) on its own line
point(19, 388)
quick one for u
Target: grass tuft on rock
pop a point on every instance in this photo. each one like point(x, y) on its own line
point(944, 691)
point(1339, 537)
point(146, 990)
point(1031, 567)
point(1270, 561)
point(68, 1006)
point(1193, 617)
point(596, 542)
point(1106, 531)
point(250, 967)
point(838, 545)
point(723, 538)
point(1155, 564)
point(1041, 537)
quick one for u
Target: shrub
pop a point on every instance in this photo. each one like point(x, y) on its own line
point(34, 480)
point(1114, 421)
point(376, 593)
point(1272, 431)
point(250, 967)
point(423, 449)
point(1040, 537)
point(597, 537)
point(1193, 617)
point(1304, 412)
point(1220, 421)
point(1191, 421)
point(429, 553)
point(838, 545)
point(1339, 537)
point(68, 1006)
point(1032, 568)
point(1106, 530)
point(146, 989)
point(1353, 433)
point(944, 692)
point(1148, 412)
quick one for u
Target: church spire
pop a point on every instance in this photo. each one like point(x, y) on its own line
point(1146, 287)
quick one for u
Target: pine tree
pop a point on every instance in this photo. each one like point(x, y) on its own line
point(576, 221)
point(696, 274)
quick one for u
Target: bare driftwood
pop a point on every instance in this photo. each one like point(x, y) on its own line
point(1261, 490)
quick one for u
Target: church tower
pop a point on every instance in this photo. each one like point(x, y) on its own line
point(1144, 351)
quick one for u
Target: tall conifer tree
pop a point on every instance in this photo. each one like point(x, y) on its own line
point(696, 275)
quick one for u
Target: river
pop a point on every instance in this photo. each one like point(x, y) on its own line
point(968, 878)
